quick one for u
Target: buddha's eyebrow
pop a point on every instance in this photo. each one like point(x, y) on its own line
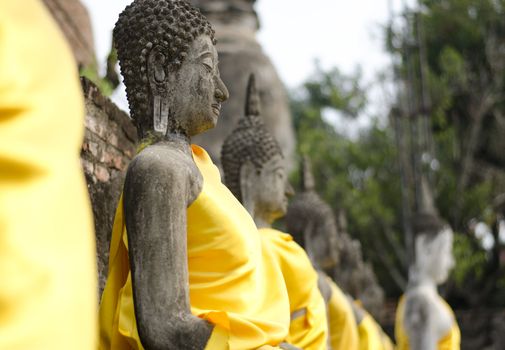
point(205, 54)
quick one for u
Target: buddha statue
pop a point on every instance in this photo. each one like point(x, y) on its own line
point(254, 171)
point(236, 23)
point(313, 225)
point(187, 269)
point(424, 321)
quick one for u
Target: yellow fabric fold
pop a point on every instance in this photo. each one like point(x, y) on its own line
point(310, 330)
point(232, 280)
point(451, 341)
point(47, 253)
point(342, 323)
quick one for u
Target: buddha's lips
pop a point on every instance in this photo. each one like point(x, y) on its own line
point(216, 107)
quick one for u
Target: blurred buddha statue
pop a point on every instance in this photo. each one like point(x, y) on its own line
point(187, 269)
point(236, 23)
point(313, 226)
point(254, 170)
point(312, 223)
point(424, 321)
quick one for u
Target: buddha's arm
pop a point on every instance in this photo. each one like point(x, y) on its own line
point(155, 201)
point(419, 324)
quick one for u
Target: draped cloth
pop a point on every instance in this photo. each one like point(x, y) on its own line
point(233, 282)
point(309, 329)
point(451, 341)
point(371, 335)
point(47, 255)
point(342, 323)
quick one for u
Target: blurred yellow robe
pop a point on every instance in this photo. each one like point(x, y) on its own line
point(233, 280)
point(342, 323)
point(48, 289)
point(451, 341)
point(371, 335)
point(309, 330)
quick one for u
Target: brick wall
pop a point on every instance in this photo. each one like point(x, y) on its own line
point(109, 144)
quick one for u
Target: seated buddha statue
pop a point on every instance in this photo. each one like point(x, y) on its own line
point(312, 223)
point(255, 173)
point(313, 226)
point(424, 321)
point(187, 269)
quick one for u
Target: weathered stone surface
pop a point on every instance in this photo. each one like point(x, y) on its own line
point(169, 64)
point(109, 144)
point(74, 21)
point(240, 54)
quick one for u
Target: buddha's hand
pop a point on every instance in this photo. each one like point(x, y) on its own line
point(286, 346)
point(194, 335)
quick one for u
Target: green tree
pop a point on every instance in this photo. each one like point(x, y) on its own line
point(358, 176)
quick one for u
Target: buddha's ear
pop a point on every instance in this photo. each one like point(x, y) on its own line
point(158, 82)
point(157, 66)
point(248, 177)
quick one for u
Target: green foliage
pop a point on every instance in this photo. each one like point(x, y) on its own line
point(358, 175)
point(91, 72)
point(470, 261)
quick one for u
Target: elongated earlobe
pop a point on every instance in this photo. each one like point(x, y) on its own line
point(160, 108)
point(158, 83)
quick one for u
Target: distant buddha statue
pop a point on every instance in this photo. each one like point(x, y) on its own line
point(424, 321)
point(313, 226)
point(312, 223)
point(236, 23)
point(187, 269)
point(254, 170)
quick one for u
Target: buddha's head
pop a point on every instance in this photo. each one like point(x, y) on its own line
point(312, 223)
point(253, 164)
point(170, 67)
point(433, 247)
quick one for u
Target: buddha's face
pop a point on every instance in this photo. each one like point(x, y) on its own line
point(272, 189)
point(323, 242)
point(434, 256)
point(199, 90)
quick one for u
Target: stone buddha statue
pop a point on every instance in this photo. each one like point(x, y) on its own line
point(236, 23)
point(254, 171)
point(424, 320)
point(186, 261)
point(313, 224)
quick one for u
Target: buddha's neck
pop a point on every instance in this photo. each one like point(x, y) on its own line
point(419, 278)
point(177, 137)
point(261, 222)
point(262, 219)
point(177, 140)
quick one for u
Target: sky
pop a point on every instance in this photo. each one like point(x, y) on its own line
point(295, 33)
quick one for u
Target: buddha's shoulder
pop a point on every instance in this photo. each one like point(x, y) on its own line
point(420, 300)
point(163, 160)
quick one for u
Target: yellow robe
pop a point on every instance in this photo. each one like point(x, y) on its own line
point(233, 281)
point(309, 330)
point(47, 255)
point(342, 323)
point(371, 336)
point(451, 341)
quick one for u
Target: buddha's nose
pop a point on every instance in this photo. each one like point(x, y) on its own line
point(289, 191)
point(221, 93)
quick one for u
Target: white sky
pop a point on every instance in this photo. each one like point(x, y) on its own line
point(294, 33)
